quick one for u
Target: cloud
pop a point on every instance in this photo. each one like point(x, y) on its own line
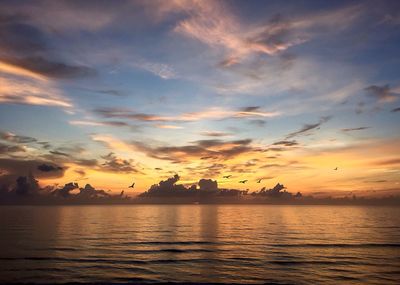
point(210, 114)
point(355, 129)
point(161, 70)
point(93, 123)
point(116, 164)
point(215, 25)
point(308, 127)
point(83, 194)
point(394, 161)
point(207, 190)
point(215, 134)
point(168, 127)
point(43, 66)
point(49, 168)
point(10, 137)
point(21, 167)
point(286, 143)
point(383, 94)
point(24, 45)
point(277, 192)
point(198, 149)
point(7, 149)
point(18, 86)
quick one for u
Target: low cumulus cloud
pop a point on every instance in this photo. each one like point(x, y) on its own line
point(26, 190)
point(208, 190)
point(205, 189)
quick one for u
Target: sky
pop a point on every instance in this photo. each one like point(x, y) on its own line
point(305, 93)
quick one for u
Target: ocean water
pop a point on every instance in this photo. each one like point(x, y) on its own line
point(200, 243)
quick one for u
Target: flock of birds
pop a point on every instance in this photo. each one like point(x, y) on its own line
point(226, 177)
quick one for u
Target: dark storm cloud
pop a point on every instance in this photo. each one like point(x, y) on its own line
point(114, 164)
point(201, 149)
point(25, 45)
point(395, 110)
point(355, 129)
point(308, 127)
point(49, 168)
point(381, 93)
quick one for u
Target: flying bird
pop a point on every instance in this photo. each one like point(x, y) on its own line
point(227, 176)
point(259, 181)
point(133, 185)
point(243, 181)
point(335, 168)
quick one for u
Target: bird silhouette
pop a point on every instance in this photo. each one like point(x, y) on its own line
point(243, 181)
point(227, 176)
point(133, 185)
point(335, 168)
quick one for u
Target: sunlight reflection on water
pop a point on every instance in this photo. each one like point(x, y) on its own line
point(200, 243)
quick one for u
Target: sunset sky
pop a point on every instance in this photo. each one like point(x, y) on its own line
point(111, 92)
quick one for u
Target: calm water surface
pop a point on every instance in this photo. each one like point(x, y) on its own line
point(200, 243)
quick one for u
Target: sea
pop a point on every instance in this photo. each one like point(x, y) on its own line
point(200, 244)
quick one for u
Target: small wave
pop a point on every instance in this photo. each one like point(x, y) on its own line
point(346, 245)
point(167, 243)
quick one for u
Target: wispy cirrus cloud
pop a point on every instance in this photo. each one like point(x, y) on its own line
point(308, 127)
point(354, 129)
point(94, 123)
point(210, 113)
point(21, 86)
point(214, 24)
